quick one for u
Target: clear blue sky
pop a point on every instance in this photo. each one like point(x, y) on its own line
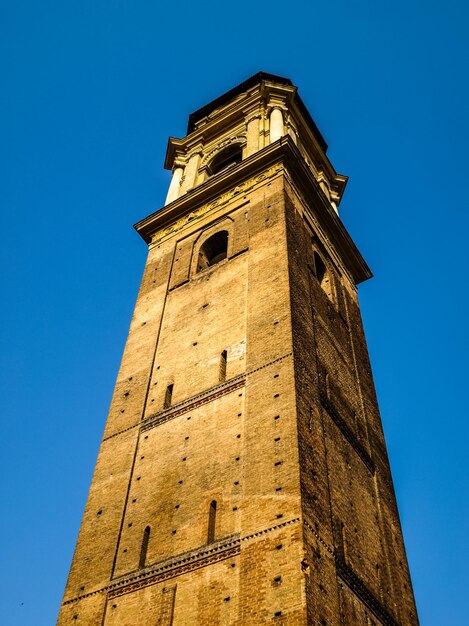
point(90, 92)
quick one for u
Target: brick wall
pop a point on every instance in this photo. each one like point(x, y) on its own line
point(288, 444)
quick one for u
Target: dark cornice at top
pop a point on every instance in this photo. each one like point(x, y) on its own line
point(245, 86)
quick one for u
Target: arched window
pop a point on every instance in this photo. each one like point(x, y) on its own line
point(222, 373)
point(323, 276)
point(230, 155)
point(168, 397)
point(212, 516)
point(213, 251)
point(144, 548)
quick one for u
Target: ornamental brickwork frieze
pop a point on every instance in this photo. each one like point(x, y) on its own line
point(222, 200)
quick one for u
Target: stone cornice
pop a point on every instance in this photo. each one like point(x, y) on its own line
point(209, 191)
point(229, 118)
point(233, 193)
point(235, 107)
point(283, 154)
point(259, 83)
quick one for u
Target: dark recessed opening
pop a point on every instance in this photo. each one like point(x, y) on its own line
point(144, 547)
point(225, 158)
point(222, 368)
point(168, 396)
point(322, 275)
point(213, 251)
point(212, 516)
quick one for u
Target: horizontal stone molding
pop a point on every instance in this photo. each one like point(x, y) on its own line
point(203, 398)
point(219, 201)
point(187, 562)
point(194, 402)
point(220, 550)
point(264, 531)
point(186, 405)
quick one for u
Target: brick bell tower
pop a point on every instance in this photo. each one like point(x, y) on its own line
point(242, 477)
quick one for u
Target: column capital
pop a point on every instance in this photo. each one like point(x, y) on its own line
point(178, 163)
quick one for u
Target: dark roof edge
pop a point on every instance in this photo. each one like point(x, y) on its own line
point(244, 86)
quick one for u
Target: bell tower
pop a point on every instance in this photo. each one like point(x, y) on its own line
point(242, 477)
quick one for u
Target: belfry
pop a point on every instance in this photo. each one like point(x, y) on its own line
point(242, 477)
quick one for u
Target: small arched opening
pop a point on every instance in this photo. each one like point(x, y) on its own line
point(222, 370)
point(214, 250)
point(168, 396)
point(144, 547)
point(212, 518)
point(227, 157)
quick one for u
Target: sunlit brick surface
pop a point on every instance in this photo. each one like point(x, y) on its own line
point(245, 403)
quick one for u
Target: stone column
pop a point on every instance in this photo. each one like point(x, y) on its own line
point(252, 134)
point(173, 191)
point(277, 129)
point(190, 173)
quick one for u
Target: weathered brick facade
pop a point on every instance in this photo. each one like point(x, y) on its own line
point(243, 477)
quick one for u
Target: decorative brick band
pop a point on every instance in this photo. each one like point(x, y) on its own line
point(264, 531)
point(191, 561)
point(221, 200)
point(203, 398)
point(361, 590)
point(315, 532)
point(355, 583)
point(261, 367)
point(187, 405)
point(210, 394)
point(180, 564)
point(193, 403)
point(120, 432)
point(348, 433)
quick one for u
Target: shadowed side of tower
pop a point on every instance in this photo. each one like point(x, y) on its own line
point(242, 477)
